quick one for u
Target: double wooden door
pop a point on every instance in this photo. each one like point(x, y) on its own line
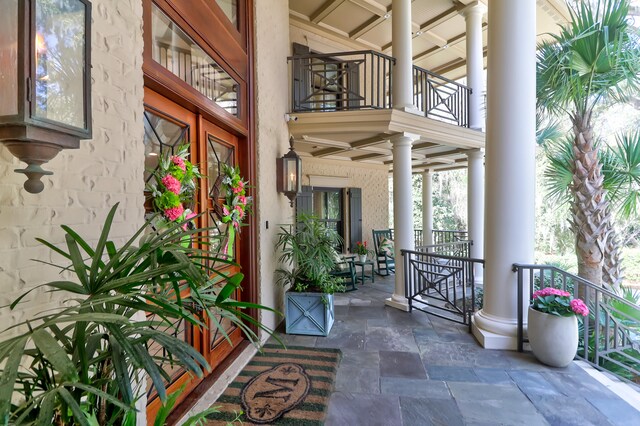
point(167, 126)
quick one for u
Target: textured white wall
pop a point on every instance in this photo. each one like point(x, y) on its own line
point(374, 181)
point(86, 181)
point(272, 82)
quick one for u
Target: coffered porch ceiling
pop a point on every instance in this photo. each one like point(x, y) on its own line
point(439, 37)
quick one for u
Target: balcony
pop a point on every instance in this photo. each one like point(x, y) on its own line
point(347, 81)
point(343, 108)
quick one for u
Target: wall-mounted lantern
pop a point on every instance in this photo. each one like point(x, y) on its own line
point(289, 170)
point(45, 80)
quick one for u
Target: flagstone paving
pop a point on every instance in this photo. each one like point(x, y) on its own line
point(413, 369)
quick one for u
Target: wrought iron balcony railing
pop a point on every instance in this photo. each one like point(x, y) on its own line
point(362, 80)
point(341, 81)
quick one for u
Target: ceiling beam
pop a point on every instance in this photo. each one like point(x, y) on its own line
point(372, 6)
point(368, 156)
point(367, 26)
point(329, 151)
point(453, 65)
point(325, 10)
point(362, 143)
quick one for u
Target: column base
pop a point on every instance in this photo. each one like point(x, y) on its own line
point(398, 304)
point(494, 333)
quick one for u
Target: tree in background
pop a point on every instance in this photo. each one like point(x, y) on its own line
point(621, 181)
point(593, 60)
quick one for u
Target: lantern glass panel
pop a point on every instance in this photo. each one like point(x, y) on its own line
point(290, 175)
point(60, 61)
point(9, 58)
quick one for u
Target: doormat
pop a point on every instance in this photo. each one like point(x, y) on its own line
point(280, 386)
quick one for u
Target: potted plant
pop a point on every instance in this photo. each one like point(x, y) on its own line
point(308, 248)
point(362, 251)
point(553, 326)
point(80, 363)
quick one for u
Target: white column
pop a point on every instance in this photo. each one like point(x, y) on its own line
point(510, 166)
point(402, 214)
point(475, 207)
point(402, 182)
point(427, 207)
point(475, 62)
point(401, 47)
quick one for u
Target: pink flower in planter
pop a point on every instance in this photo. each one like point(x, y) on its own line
point(174, 212)
point(548, 291)
point(172, 184)
point(179, 162)
point(578, 306)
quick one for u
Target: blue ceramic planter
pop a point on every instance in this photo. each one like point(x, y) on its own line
point(310, 314)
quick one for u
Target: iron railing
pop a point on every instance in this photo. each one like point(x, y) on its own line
point(362, 80)
point(609, 336)
point(440, 98)
point(341, 81)
point(417, 237)
point(443, 274)
point(441, 236)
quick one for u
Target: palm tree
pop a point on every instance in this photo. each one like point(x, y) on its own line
point(594, 59)
point(621, 180)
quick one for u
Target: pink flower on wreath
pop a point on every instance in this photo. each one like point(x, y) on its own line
point(236, 224)
point(174, 212)
point(178, 161)
point(237, 190)
point(225, 211)
point(240, 211)
point(549, 291)
point(172, 184)
point(578, 306)
point(242, 199)
point(187, 219)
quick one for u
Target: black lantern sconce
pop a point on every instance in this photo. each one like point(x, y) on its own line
point(45, 80)
point(289, 170)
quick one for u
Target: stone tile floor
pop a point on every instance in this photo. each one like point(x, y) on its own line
point(414, 369)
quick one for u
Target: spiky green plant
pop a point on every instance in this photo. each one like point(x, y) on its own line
point(80, 363)
point(309, 249)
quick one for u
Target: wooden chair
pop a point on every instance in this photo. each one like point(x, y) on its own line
point(386, 263)
point(346, 270)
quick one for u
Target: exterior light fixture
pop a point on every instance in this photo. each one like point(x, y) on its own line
point(289, 169)
point(45, 80)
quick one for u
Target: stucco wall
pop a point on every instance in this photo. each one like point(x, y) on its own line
point(371, 178)
point(271, 49)
point(86, 181)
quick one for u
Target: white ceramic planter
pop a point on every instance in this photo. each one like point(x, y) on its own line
point(363, 257)
point(553, 339)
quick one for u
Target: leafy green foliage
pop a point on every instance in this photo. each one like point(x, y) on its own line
point(594, 57)
point(82, 360)
point(309, 249)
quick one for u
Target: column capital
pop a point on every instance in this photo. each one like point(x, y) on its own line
point(475, 153)
point(475, 8)
point(403, 138)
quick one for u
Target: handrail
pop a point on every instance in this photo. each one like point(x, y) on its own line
point(607, 342)
point(445, 79)
point(349, 53)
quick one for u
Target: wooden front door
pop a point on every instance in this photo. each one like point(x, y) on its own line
point(167, 126)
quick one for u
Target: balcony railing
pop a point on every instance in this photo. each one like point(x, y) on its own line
point(440, 98)
point(609, 336)
point(341, 81)
point(359, 80)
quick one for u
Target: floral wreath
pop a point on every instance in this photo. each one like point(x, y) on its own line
point(237, 204)
point(174, 186)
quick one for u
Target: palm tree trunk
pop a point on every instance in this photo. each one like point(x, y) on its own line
point(612, 267)
point(589, 212)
